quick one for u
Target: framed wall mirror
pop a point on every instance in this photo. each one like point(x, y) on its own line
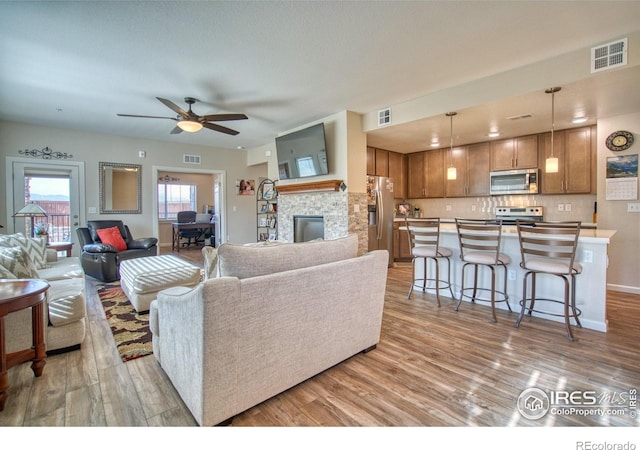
point(120, 188)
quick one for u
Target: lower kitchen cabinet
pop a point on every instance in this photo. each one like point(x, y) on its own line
point(401, 249)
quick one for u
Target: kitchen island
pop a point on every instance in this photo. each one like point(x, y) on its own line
point(591, 284)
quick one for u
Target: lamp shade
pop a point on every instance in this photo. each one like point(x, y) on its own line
point(451, 173)
point(190, 126)
point(31, 210)
point(551, 165)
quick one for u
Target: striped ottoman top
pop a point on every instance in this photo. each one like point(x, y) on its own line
point(154, 273)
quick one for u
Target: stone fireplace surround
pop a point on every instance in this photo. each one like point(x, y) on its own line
point(339, 211)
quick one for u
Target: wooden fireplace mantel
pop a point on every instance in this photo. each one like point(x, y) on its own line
point(314, 186)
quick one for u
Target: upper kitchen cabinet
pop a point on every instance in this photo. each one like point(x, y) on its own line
point(377, 162)
point(472, 163)
point(425, 174)
point(434, 173)
point(415, 175)
point(575, 150)
point(371, 161)
point(517, 153)
point(398, 172)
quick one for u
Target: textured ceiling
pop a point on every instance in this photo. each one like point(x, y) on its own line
point(78, 64)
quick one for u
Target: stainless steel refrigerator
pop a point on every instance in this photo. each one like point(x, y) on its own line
point(381, 205)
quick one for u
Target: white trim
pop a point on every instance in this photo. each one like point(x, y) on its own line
point(222, 207)
point(622, 288)
point(45, 165)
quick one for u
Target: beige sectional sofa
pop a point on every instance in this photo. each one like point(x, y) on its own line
point(270, 317)
point(22, 257)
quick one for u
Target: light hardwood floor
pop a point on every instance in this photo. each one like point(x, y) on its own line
point(433, 367)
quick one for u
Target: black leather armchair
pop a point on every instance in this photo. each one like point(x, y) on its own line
point(102, 261)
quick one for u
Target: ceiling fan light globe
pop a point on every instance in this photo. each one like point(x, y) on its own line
point(190, 126)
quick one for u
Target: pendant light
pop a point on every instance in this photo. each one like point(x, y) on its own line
point(551, 164)
point(451, 171)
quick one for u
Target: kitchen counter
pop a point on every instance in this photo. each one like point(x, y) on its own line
point(591, 284)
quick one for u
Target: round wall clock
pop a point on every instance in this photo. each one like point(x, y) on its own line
point(619, 140)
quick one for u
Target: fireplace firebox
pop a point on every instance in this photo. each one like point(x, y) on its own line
point(308, 228)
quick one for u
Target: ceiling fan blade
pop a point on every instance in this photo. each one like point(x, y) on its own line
point(220, 128)
point(174, 107)
point(147, 117)
point(223, 117)
point(176, 130)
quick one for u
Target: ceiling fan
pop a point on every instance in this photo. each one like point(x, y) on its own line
point(190, 121)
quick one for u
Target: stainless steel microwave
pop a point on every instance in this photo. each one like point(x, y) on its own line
point(520, 181)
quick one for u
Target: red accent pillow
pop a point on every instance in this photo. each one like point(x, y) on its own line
point(113, 237)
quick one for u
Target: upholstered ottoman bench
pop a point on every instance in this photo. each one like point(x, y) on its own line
point(142, 278)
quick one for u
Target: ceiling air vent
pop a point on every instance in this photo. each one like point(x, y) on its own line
point(384, 117)
point(191, 159)
point(608, 56)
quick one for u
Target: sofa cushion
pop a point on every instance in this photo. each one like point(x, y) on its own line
point(66, 301)
point(17, 261)
point(112, 236)
point(35, 247)
point(61, 269)
point(251, 261)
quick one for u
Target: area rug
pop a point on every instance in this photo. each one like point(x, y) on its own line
point(130, 329)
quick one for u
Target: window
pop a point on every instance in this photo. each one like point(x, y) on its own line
point(173, 198)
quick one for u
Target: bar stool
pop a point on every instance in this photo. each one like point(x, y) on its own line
point(424, 242)
point(480, 246)
point(550, 248)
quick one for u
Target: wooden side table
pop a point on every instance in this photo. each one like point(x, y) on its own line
point(16, 295)
point(61, 247)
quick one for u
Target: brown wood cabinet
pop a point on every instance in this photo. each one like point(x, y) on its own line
point(401, 249)
point(576, 161)
point(516, 153)
point(415, 175)
point(472, 163)
point(371, 161)
point(398, 172)
point(434, 173)
point(382, 163)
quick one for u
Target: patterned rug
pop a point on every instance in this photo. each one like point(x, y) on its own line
point(130, 329)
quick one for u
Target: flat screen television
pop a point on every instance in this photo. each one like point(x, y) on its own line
point(302, 153)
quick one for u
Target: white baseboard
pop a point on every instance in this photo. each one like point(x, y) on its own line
point(621, 288)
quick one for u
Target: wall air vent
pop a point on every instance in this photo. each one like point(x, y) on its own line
point(521, 116)
point(608, 56)
point(191, 159)
point(384, 117)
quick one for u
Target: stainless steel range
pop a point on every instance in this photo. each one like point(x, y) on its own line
point(509, 214)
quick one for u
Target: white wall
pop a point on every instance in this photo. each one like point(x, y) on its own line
point(92, 148)
point(624, 252)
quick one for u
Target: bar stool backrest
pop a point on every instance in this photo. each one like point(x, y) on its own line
point(555, 241)
point(424, 232)
point(479, 235)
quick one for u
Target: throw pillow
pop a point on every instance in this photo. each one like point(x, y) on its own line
point(6, 273)
point(17, 261)
point(36, 248)
point(113, 237)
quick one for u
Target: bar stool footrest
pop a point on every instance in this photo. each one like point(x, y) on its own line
point(500, 296)
point(528, 310)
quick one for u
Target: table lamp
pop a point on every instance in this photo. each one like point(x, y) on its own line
point(31, 210)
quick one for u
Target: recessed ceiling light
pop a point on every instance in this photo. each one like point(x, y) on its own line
point(580, 120)
point(435, 144)
point(493, 134)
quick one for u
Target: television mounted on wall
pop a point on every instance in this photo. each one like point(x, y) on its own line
point(302, 153)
